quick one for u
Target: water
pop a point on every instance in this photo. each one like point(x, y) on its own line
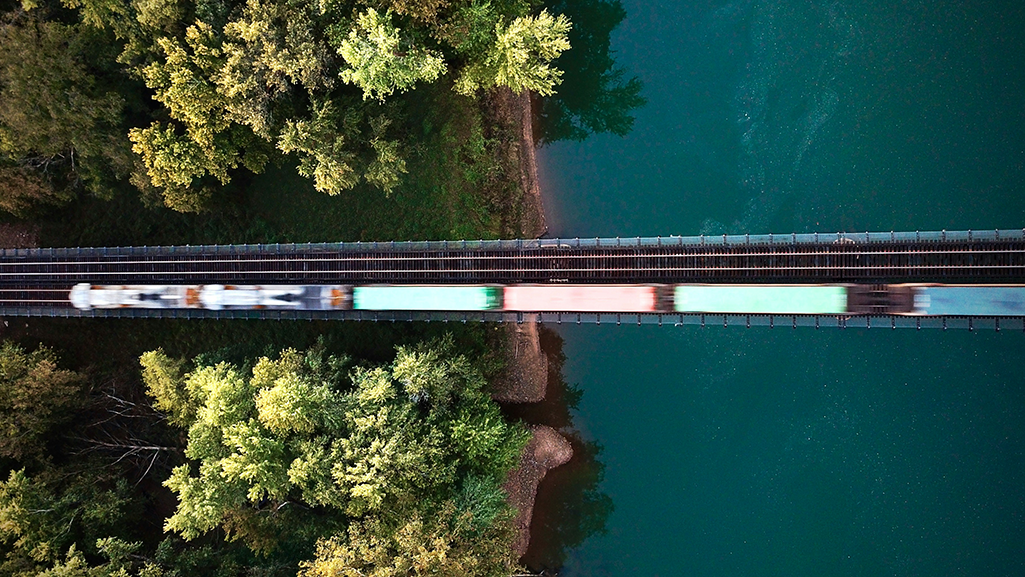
point(803, 452)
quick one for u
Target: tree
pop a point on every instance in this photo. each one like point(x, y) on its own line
point(241, 83)
point(298, 434)
point(212, 144)
point(57, 119)
point(35, 397)
point(22, 189)
point(245, 435)
point(271, 51)
point(471, 29)
point(43, 515)
point(165, 384)
point(596, 94)
point(443, 543)
point(521, 56)
point(118, 563)
point(322, 142)
point(381, 61)
point(425, 11)
point(266, 79)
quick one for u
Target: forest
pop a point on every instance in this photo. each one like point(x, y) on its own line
point(174, 448)
point(303, 460)
point(209, 89)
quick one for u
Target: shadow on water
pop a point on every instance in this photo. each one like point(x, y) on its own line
point(569, 506)
point(595, 96)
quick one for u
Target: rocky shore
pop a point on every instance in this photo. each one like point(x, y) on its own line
point(546, 450)
point(525, 379)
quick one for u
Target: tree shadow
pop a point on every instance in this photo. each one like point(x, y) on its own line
point(595, 96)
point(570, 506)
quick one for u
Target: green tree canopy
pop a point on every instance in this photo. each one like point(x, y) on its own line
point(444, 543)
point(117, 554)
point(58, 120)
point(370, 448)
point(521, 56)
point(238, 84)
point(381, 61)
point(35, 396)
point(43, 516)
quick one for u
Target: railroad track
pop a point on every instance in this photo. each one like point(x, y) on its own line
point(37, 281)
point(976, 261)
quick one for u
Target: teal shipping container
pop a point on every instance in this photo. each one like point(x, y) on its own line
point(980, 300)
point(761, 299)
point(426, 298)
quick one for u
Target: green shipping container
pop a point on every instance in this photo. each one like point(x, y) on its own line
point(426, 298)
point(761, 299)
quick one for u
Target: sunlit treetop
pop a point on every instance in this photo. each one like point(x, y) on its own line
point(238, 84)
point(374, 445)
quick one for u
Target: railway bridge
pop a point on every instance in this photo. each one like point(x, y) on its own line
point(37, 282)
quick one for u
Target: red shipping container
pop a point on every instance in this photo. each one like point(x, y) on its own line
point(580, 298)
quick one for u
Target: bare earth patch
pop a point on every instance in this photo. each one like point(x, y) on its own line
point(19, 235)
point(533, 224)
point(515, 111)
point(525, 378)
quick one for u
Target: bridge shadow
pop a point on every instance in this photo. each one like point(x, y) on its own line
point(570, 506)
point(596, 95)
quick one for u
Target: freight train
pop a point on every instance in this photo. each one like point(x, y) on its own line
point(838, 300)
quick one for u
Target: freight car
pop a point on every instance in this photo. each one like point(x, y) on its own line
point(587, 298)
point(213, 297)
point(827, 300)
point(849, 300)
point(427, 298)
point(761, 299)
point(968, 300)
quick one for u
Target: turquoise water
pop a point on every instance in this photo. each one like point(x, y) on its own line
point(804, 452)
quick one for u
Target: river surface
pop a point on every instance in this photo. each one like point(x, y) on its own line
point(804, 452)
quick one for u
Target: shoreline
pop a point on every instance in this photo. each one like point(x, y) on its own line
point(533, 222)
point(514, 117)
point(546, 450)
point(525, 379)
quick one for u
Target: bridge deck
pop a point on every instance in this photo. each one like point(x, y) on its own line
point(36, 281)
point(847, 259)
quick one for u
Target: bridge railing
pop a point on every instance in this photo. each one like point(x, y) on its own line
point(859, 322)
point(518, 244)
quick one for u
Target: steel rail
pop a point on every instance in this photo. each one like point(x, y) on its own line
point(380, 258)
point(28, 289)
point(532, 255)
point(875, 268)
